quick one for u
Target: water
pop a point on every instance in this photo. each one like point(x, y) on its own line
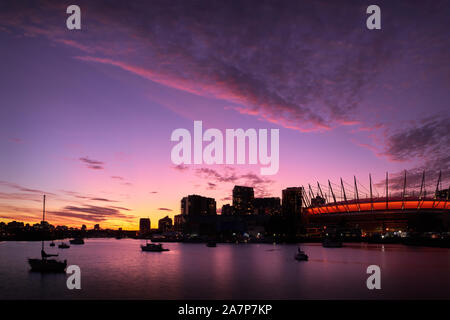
point(117, 269)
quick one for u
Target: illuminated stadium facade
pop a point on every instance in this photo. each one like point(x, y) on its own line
point(369, 213)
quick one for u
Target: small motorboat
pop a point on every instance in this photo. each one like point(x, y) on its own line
point(47, 265)
point(63, 245)
point(153, 247)
point(211, 244)
point(77, 241)
point(329, 243)
point(301, 255)
point(52, 244)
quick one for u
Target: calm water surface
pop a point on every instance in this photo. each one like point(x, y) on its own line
point(118, 269)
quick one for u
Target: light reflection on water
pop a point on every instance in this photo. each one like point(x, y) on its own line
point(118, 269)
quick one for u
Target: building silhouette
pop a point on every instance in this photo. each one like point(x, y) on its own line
point(227, 210)
point(243, 200)
point(195, 205)
point(267, 206)
point(179, 222)
point(165, 224)
point(292, 201)
point(144, 225)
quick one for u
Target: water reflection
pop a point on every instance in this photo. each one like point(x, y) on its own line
point(118, 269)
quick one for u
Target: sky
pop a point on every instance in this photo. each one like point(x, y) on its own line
point(86, 115)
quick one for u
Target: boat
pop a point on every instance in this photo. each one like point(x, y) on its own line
point(44, 264)
point(77, 241)
point(63, 245)
point(211, 244)
point(52, 244)
point(47, 265)
point(153, 247)
point(329, 243)
point(301, 255)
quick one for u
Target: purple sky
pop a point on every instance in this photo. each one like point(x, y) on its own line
point(86, 116)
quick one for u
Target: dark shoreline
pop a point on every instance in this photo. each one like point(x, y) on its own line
point(418, 242)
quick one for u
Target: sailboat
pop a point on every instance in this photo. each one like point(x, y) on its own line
point(44, 264)
point(301, 255)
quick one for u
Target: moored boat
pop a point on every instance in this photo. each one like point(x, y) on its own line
point(44, 264)
point(47, 265)
point(63, 245)
point(153, 247)
point(301, 255)
point(77, 241)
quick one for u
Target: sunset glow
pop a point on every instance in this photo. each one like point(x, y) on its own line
point(86, 116)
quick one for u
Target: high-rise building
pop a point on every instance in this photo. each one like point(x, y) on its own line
point(183, 209)
point(165, 224)
point(195, 205)
point(97, 227)
point(179, 221)
point(243, 200)
point(227, 210)
point(267, 206)
point(292, 201)
point(144, 225)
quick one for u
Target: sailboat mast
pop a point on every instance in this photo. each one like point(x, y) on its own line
point(43, 219)
point(43, 210)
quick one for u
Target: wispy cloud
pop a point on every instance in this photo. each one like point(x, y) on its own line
point(122, 181)
point(23, 189)
point(426, 142)
point(229, 175)
point(20, 196)
point(180, 167)
point(102, 199)
point(211, 186)
point(92, 164)
point(121, 208)
point(427, 139)
point(91, 213)
point(317, 73)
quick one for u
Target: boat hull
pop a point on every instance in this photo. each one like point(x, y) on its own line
point(50, 265)
point(147, 249)
point(301, 257)
point(76, 241)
